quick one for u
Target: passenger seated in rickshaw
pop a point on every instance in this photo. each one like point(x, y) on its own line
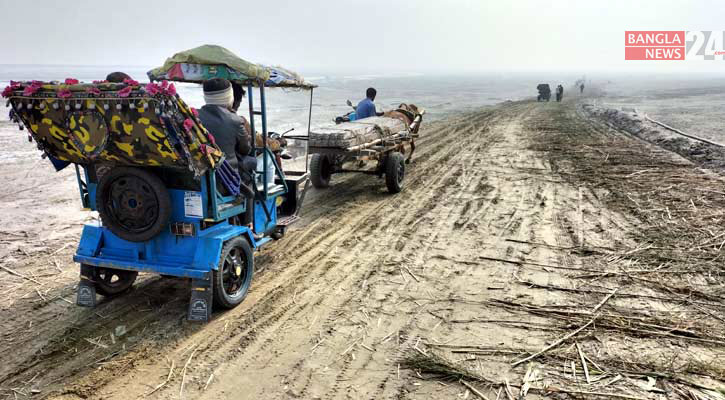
point(231, 132)
point(117, 77)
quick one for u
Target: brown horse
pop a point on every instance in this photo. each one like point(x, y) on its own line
point(406, 113)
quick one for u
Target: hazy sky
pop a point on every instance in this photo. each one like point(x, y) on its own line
point(368, 36)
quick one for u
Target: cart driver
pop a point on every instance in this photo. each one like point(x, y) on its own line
point(366, 107)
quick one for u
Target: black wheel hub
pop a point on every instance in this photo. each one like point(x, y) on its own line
point(132, 204)
point(326, 170)
point(401, 172)
point(234, 272)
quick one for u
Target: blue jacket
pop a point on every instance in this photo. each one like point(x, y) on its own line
point(365, 108)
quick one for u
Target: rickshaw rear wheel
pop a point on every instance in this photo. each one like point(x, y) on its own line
point(231, 281)
point(320, 171)
point(111, 281)
point(133, 203)
point(394, 172)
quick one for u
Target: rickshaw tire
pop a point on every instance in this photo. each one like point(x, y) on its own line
point(220, 298)
point(157, 187)
point(124, 283)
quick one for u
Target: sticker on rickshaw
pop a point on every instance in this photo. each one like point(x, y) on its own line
point(192, 205)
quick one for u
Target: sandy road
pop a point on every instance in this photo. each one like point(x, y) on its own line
point(367, 281)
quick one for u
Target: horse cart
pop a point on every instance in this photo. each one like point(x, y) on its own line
point(168, 201)
point(544, 92)
point(374, 145)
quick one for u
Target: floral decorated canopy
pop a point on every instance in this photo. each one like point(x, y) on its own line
point(128, 123)
point(210, 61)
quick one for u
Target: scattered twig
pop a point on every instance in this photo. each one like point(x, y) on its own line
point(602, 394)
point(568, 336)
point(411, 273)
point(13, 272)
point(183, 373)
point(315, 346)
point(60, 249)
point(96, 343)
point(162, 384)
point(584, 362)
point(473, 389)
point(208, 381)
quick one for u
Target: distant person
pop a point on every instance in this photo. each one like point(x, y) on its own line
point(366, 108)
point(581, 88)
point(559, 92)
point(117, 77)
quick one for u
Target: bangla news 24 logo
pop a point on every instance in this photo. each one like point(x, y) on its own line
point(674, 45)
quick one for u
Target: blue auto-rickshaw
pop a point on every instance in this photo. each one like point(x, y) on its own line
point(168, 202)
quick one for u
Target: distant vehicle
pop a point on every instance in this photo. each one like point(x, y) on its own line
point(544, 92)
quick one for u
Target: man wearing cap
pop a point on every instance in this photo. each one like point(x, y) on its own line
point(228, 129)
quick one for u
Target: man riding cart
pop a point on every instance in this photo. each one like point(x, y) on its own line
point(168, 198)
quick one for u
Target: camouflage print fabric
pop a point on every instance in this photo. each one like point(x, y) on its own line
point(137, 130)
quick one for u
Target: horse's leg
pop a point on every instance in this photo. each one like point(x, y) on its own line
point(412, 149)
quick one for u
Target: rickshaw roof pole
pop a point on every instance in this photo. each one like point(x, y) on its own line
point(309, 127)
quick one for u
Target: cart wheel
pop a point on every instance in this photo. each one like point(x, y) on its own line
point(234, 276)
point(394, 172)
point(110, 281)
point(320, 171)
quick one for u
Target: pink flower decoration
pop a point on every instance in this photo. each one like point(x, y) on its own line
point(94, 91)
point(212, 139)
point(125, 92)
point(65, 93)
point(10, 88)
point(171, 90)
point(8, 91)
point(164, 84)
point(130, 82)
point(71, 81)
point(195, 112)
point(32, 88)
point(188, 124)
point(152, 89)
